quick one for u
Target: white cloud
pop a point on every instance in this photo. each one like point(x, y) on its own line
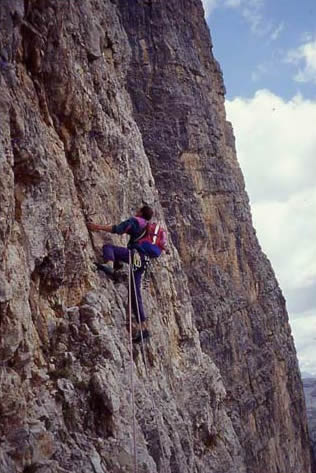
point(209, 6)
point(278, 30)
point(304, 57)
point(306, 37)
point(304, 327)
point(270, 66)
point(287, 232)
point(253, 13)
point(261, 70)
point(233, 3)
point(276, 144)
point(276, 147)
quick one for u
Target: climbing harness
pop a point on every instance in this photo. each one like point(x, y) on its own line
point(144, 262)
point(137, 261)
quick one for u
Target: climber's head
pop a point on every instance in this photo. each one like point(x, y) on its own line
point(145, 212)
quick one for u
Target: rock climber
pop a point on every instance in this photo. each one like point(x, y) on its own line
point(146, 241)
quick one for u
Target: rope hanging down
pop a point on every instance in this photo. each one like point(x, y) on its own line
point(131, 356)
point(154, 406)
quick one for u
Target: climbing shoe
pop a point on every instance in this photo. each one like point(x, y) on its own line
point(138, 337)
point(118, 265)
point(107, 269)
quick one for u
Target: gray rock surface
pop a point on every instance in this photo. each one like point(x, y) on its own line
point(309, 385)
point(105, 104)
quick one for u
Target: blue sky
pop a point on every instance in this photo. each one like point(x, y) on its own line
point(267, 51)
point(252, 40)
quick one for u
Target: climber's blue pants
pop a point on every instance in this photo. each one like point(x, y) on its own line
point(120, 254)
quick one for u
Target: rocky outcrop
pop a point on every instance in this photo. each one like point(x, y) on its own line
point(105, 104)
point(309, 385)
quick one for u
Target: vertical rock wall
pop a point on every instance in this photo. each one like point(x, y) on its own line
point(104, 105)
point(178, 98)
point(309, 386)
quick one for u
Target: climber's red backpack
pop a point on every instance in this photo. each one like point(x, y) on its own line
point(154, 241)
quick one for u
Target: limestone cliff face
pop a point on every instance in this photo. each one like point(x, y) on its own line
point(105, 104)
point(309, 386)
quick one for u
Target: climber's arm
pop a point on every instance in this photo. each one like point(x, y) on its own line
point(95, 227)
point(123, 227)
